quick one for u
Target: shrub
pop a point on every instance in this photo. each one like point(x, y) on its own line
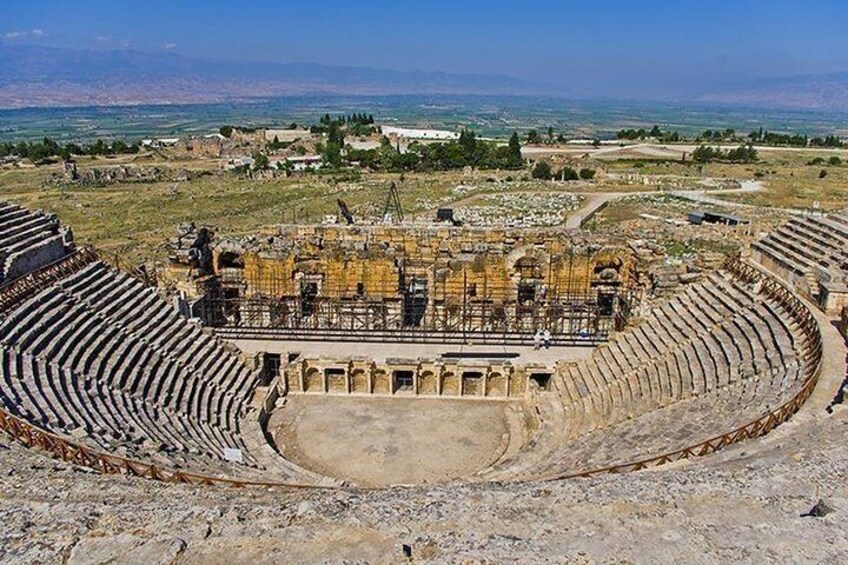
point(567, 173)
point(542, 171)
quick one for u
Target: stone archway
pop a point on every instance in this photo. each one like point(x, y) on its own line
point(472, 383)
point(427, 383)
point(359, 382)
point(496, 385)
point(382, 382)
point(450, 384)
point(313, 381)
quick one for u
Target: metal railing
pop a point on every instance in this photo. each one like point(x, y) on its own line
point(34, 437)
point(22, 288)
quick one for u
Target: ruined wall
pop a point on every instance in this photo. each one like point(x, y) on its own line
point(494, 381)
point(379, 261)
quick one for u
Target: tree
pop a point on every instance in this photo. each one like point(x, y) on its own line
point(226, 131)
point(704, 154)
point(542, 171)
point(567, 174)
point(533, 137)
point(260, 161)
point(332, 155)
point(468, 142)
point(335, 134)
point(587, 174)
point(742, 154)
point(655, 132)
point(514, 160)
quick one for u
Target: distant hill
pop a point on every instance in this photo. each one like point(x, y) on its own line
point(823, 92)
point(46, 76)
point(38, 76)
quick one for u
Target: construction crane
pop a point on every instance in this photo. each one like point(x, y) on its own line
point(345, 211)
point(393, 208)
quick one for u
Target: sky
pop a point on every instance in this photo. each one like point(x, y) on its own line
point(611, 42)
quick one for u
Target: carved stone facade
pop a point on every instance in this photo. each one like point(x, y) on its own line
point(411, 377)
point(419, 277)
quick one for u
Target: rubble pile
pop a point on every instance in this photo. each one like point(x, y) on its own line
point(103, 176)
point(520, 210)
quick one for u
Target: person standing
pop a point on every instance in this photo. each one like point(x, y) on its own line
point(537, 340)
point(546, 339)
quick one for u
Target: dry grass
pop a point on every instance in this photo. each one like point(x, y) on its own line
point(134, 219)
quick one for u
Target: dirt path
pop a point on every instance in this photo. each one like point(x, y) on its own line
point(594, 202)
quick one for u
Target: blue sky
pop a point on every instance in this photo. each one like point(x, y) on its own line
point(614, 40)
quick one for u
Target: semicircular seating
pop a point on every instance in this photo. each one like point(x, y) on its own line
point(811, 254)
point(99, 356)
point(90, 353)
point(716, 356)
point(28, 240)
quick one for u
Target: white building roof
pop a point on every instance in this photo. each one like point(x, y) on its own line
point(414, 133)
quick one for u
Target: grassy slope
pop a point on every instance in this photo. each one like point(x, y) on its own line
point(134, 219)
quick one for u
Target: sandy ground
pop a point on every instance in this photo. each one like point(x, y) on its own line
point(385, 441)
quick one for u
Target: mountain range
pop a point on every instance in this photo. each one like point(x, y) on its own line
point(49, 76)
point(39, 76)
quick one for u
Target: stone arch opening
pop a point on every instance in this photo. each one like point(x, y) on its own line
point(336, 379)
point(359, 382)
point(230, 260)
point(404, 381)
point(496, 385)
point(450, 384)
point(427, 383)
point(313, 380)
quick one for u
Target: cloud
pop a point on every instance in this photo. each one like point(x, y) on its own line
point(103, 38)
point(23, 34)
point(169, 46)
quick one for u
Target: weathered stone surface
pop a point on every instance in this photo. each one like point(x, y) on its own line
point(741, 505)
point(126, 548)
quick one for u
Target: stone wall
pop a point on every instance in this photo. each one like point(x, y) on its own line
point(379, 261)
point(443, 378)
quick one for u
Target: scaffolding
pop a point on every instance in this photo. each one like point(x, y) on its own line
point(421, 304)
